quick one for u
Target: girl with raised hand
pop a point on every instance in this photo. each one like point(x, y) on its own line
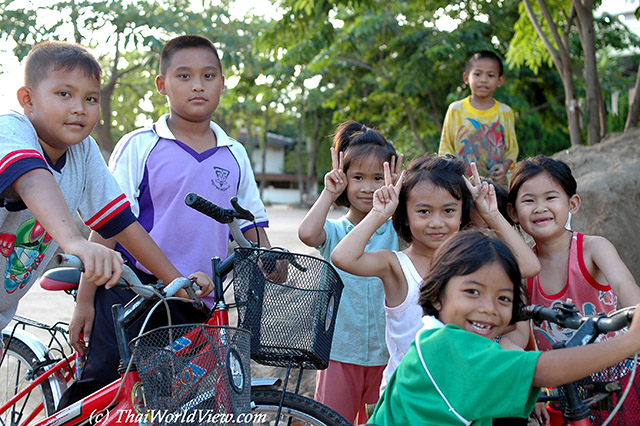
point(455, 373)
point(358, 353)
point(428, 206)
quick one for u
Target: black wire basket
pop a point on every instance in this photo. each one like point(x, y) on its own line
point(194, 374)
point(289, 304)
point(610, 383)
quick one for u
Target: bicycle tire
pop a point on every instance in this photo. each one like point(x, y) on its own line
point(18, 360)
point(299, 409)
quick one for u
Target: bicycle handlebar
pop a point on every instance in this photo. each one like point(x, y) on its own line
point(222, 215)
point(130, 280)
point(568, 318)
point(218, 213)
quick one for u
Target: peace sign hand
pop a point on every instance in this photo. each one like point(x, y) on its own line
point(335, 181)
point(483, 194)
point(385, 199)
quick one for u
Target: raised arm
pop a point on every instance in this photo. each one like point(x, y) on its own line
point(350, 255)
point(485, 200)
point(311, 229)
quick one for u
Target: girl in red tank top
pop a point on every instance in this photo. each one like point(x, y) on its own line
point(585, 270)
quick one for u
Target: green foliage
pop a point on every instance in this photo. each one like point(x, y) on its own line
point(386, 64)
point(535, 138)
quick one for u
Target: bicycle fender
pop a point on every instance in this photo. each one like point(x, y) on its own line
point(58, 385)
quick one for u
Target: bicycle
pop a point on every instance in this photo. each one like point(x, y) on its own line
point(40, 372)
point(580, 401)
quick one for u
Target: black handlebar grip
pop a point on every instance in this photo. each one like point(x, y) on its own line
point(207, 207)
point(242, 212)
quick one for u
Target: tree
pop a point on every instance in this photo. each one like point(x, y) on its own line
point(128, 36)
point(634, 106)
point(634, 103)
point(557, 43)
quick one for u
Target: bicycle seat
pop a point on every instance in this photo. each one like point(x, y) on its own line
point(59, 279)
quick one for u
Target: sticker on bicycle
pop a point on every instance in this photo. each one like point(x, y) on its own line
point(235, 371)
point(190, 375)
point(329, 316)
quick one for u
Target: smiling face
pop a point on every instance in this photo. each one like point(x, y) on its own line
point(480, 302)
point(364, 176)
point(193, 82)
point(542, 207)
point(63, 108)
point(433, 215)
point(483, 78)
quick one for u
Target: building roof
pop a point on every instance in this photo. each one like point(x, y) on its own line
point(273, 138)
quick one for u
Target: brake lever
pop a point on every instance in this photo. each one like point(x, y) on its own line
point(191, 292)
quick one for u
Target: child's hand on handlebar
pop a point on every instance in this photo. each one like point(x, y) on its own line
point(205, 283)
point(102, 265)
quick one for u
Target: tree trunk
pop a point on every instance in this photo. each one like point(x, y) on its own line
point(313, 154)
point(299, 146)
point(573, 111)
point(634, 106)
point(414, 127)
point(596, 112)
point(265, 143)
point(102, 132)
point(562, 61)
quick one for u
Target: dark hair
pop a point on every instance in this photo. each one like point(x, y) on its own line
point(443, 172)
point(185, 42)
point(531, 167)
point(463, 254)
point(502, 197)
point(50, 56)
point(358, 141)
point(484, 54)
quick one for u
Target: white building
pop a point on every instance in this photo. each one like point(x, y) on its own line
point(280, 187)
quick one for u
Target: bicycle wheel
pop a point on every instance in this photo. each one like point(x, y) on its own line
point(296, 410)
point(18, 361)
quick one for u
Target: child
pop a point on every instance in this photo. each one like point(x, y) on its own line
point(51, 167)
point(430, 205)
point(479, 128)
point(358, 352)
point(586, 269)
point(157, 166)
point(454, 372)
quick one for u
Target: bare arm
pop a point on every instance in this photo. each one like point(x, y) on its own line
point(518, 338)
point(311, 229)
point(349, 254)
point(84, 312)
point(41, 194)
point(485, 200)
point(609, 264)
point(137, 241)
point(252, 234)
point(144, 249)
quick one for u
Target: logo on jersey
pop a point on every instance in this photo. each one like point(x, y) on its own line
point(220, 182)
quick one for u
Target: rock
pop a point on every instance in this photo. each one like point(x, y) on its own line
point(608, 176)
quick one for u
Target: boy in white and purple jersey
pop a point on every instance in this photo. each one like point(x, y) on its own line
point(156, 167)
point(157, 171)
